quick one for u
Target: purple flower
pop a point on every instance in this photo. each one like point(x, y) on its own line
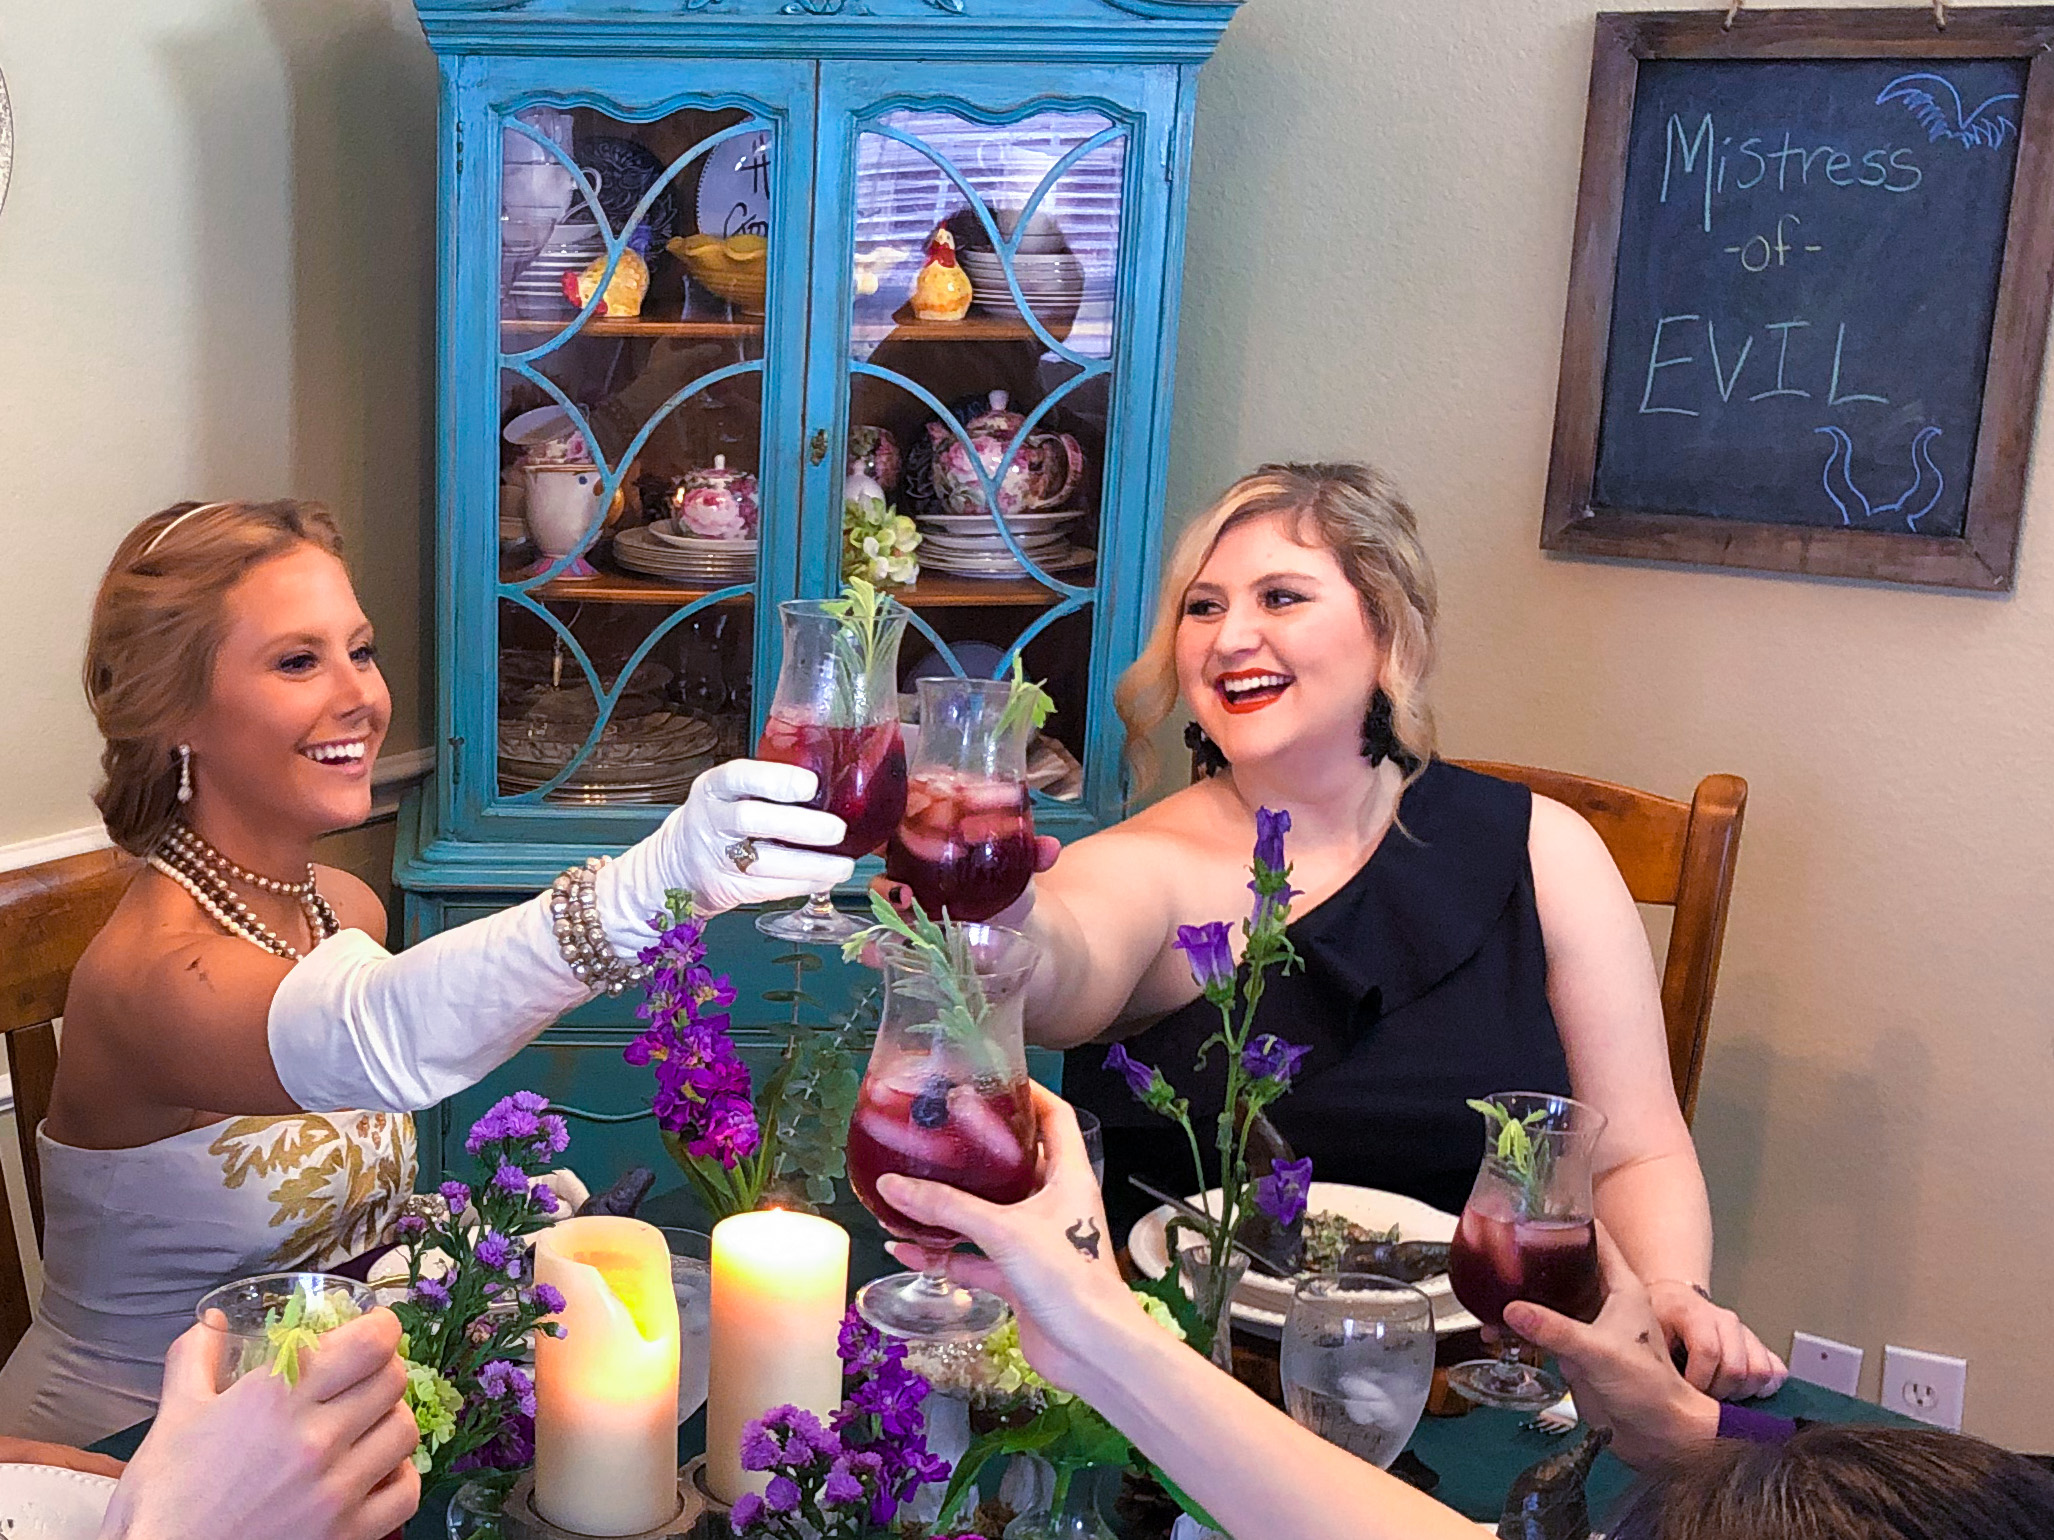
point(1271, 893)
point(841, 1489)
point(1210, 955)
point(760, 1449)
point(1269, 1057)
point(806, 1439)
point(1281, 1194)
point(781, 1495)
point(747, 1510)
point(1139, 1077)
point(412, 1226)
point(544, 1197)
point(554, 1137)
point(431, 1293)
point(511, 1118)
point(500, 1380)
point(510, 1178)
point(495, 1251)
point(1270, 829)
point(456, 1195)
point(547, 1299)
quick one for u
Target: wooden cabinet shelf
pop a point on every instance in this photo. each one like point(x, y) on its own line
point(935, 590)
point(520, 334)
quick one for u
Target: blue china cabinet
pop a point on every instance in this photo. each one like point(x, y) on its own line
point(678, 245)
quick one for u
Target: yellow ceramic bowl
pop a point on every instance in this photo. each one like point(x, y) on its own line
point(733, 268)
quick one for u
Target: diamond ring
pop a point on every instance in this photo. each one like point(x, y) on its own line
point(743, 854)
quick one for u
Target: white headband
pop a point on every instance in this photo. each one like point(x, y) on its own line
point(158, 538)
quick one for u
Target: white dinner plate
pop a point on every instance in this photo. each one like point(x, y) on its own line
point(671, 533)
point(46, 1502)
point(982, 524)
point(1261, 1301)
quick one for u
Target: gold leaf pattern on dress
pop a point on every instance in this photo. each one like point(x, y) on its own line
point(345, 1176)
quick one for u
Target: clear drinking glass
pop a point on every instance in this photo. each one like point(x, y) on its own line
point(945, 1099)
point(256, 1315)
point(1358, 1359)
point(1528, 1232)
point(691, 1280)
point(966, 842)
point(836, 712)
point(1094, 1142)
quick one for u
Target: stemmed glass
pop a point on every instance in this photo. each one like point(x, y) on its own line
point(966, 843)
point(837, 713)
point(945, 1099)
point(1527, 1232)
point(274, 1314)
point(1358, 1360)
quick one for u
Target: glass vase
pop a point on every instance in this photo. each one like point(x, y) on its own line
point(1213, 1292)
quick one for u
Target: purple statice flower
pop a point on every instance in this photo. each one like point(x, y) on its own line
point(781, 1495)
point(511, 1119)
point(841, 1489)
point(760, 1448)
point(510, 1178)
point(544, 1197)
point(456, 1195)
point(1269, 1057)
point(494, 1251)
point(501, 1380)
point(806, 1439)
point(432, 1293)
point(1270, 829)
point(553, 1137)
point(547, 1299)
point(747, 1510)
point(1210, 954)
point(511, 1448)
point(1281, 1194)
point(411, 1226)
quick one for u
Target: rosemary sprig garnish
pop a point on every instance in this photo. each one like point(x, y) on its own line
point(1527, 1160)
point(944, 949)
point(1027, 703)
point(860, 609)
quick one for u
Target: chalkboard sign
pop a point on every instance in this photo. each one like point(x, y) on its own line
point(1810, 293)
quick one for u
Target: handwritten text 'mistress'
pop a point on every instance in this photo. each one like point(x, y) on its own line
point(1703, 163)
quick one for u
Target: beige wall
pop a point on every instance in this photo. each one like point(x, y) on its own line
point(216, 279)
point(214, 272)
point(1377, 268)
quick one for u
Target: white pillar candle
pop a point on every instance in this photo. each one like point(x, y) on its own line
point(780, 1288)
point(606, 1391)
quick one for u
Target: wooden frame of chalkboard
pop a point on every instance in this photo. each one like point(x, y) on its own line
point(1975, 545)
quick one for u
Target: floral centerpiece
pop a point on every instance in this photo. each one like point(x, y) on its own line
point(1259, 1069)
point(730, 1144)
point(465, 1323)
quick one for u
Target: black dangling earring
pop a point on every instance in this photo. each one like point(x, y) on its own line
point(1206, 757)
point(1380, 739)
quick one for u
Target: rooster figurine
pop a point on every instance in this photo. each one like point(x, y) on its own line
point(624, 291)
point(942, 291)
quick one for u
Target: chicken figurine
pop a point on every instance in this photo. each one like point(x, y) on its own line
point(942, 291)
point(624, 291)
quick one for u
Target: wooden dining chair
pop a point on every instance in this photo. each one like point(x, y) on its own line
point(1679, 855)
point(47, 915)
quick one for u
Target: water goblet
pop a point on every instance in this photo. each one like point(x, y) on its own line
point(1358, 1360)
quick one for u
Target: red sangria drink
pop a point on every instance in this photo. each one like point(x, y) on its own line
point(919, 1121)
point(965, 845)
point(1527, 1232)
point(945, 1099)
point(862, 774)
point(836, 712)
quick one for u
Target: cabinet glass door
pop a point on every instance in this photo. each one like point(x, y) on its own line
point(639, 261)
point(981, 389)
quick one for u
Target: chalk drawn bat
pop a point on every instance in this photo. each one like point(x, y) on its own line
point(1849, 497)
point(1921, 96)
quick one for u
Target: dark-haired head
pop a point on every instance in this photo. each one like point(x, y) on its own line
point(1844, 1483)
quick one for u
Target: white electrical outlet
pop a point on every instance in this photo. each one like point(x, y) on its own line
point(1823, 1362)
point(1928, 1386)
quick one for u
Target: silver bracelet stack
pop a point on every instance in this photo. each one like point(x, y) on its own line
point(574, 904)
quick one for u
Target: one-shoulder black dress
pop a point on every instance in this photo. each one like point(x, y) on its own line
point(1424, 984)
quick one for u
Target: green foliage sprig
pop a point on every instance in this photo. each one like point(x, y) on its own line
point(1528, 1161)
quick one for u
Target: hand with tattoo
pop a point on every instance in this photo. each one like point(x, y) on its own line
point(1620, 1369)
point(1046, 1256)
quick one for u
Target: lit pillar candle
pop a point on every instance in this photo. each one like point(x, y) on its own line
point(780, 1286)
point(606, 1391)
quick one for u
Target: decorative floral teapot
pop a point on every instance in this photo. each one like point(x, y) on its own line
point(1043, 474)
point(716, 503)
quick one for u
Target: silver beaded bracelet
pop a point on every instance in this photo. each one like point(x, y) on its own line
point(574, 904)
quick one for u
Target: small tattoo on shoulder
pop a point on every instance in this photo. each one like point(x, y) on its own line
point(1084, 1236)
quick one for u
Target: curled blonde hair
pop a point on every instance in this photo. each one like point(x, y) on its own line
point(156, 626)
point(1354, 511)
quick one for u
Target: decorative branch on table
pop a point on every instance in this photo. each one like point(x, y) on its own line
point(730, 1145)
point(465, 1325)
point(1259, 1068)
point(849, 1479)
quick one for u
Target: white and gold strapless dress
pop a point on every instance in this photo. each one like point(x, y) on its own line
point(133, 1238)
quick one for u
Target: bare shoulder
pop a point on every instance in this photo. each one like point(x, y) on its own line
point(157, 964)
point(355, 904)
point(1158, 839)
point(1562, 841)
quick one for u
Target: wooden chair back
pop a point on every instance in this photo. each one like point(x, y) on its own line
point(1677, 854)
point(48, 914)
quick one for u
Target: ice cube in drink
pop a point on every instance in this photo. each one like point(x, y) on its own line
point(919, 1120)
point(965, 844)
point(1499, 1257)
point(862, 773)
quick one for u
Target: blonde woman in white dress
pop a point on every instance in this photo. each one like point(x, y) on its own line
point(240, 1053)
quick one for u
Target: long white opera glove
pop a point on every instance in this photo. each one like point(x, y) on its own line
point(353, 1026)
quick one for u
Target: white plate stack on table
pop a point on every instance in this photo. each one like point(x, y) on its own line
point(1262, 1302)
point(664, 550)
point(970, 545)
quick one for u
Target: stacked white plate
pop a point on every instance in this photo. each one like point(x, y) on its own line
point(662, 550)
point(1052, 283)
point(536, 293)
point(969, 545)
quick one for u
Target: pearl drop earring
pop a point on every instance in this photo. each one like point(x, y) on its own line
point(185, 772)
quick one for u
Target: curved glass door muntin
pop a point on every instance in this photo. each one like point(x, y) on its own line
point(1117, 128)
point(609, 681)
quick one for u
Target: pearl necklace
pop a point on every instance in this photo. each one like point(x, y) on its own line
point(205, 873)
